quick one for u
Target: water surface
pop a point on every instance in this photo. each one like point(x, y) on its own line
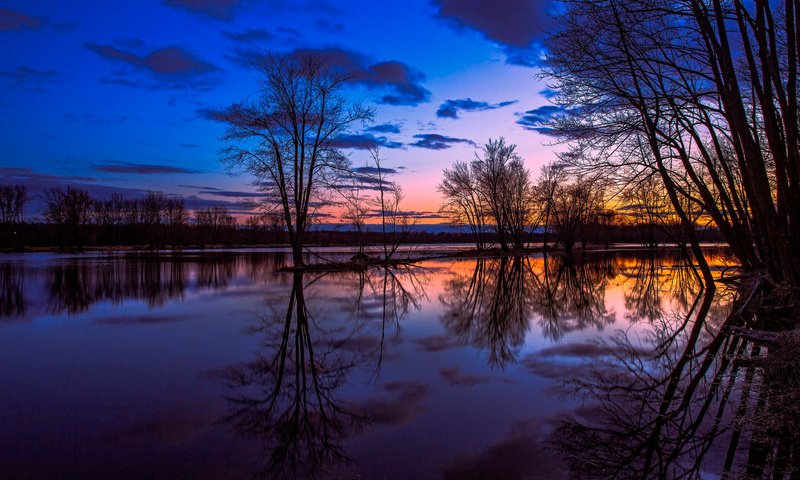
point(215, 365)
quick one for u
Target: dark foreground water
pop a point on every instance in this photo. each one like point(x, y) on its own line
point(213, 365)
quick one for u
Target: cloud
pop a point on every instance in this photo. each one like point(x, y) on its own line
point(537, 118)
point(403, 83)
point(548, 93)
point(88, 119)
point(220, 9)
point(518, 456)
point(385, 128)
point(332, 27)
point(143, 319)
point(438, 343)
point(577, 350)
point(399, 83)
point(434, 141)
point(403, 405)
point(168, 61)
point(28, 175)
point(374, 170)
point(251, 35)
point(363, 142)
point(18, 21)
point(30, 78)
point(213, 114)
point(233, 193)
point(450, 108)
point(516, 25)
point(455, 378)
point(139, 168)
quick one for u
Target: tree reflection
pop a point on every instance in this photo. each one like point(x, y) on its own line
point(289, 396)
point(490, 309)
point(569, 294)
point(12, 297)
point(691, 400)
point(73, 287)
point(291, 400)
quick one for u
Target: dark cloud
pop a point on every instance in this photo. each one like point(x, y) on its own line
point(233, 193)
point(454, 378)
point(329, 26)
point(516, 25)
point(168, 61)
point(18, 21)
point(374, 170)
point(519, 456)
point(142, 319)
point(402, 406)
point(364, 142)
point(434, 141)
point(88, 119)
point(198, 187)
point(213, 114)
point(450, 108)
point(551, 369)
point(403, 83)
point(438, 343)
point(576, 350)
point(30, 78)
point(251, 35)
point(139, 168)
point(511, 22)
point(385, 128)
point(548, 93)
point(28, 175)
point(411, 214)
point(537, 118)
point(221, 9)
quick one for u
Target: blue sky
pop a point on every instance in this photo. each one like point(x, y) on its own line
point(113, 96)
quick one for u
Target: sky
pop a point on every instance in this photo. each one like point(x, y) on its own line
point(117, 97)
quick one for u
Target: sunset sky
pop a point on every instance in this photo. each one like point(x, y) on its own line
point(114, 96)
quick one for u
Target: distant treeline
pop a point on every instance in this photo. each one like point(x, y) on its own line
point(73, 219)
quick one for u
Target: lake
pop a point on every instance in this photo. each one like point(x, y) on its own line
point(215, 365)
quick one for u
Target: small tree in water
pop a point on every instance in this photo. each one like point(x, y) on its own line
point(285, 138)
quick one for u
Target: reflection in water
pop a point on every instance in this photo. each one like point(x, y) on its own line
point(570, 294)
point(76, 284)
point(690, 399)
point(289, 396)
point(492, 306)
point(675, 390)
point(12, 296)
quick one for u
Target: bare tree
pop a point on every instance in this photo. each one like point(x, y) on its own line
point(69, 210)
point(12, 202)
point(462, 202)
point(709, 90)
point(395, 223)
point(494, 189)
point(286, 137)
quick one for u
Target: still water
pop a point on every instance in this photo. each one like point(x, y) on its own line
point(215, 365)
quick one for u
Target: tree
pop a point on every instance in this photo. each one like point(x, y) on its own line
point(462, 202)
point(12, 202)
point(494, 189)
point(709, 90)
point(285, 138)
point(70, 210)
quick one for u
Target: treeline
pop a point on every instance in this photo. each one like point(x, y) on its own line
point(72, 218)
point(496, 197)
